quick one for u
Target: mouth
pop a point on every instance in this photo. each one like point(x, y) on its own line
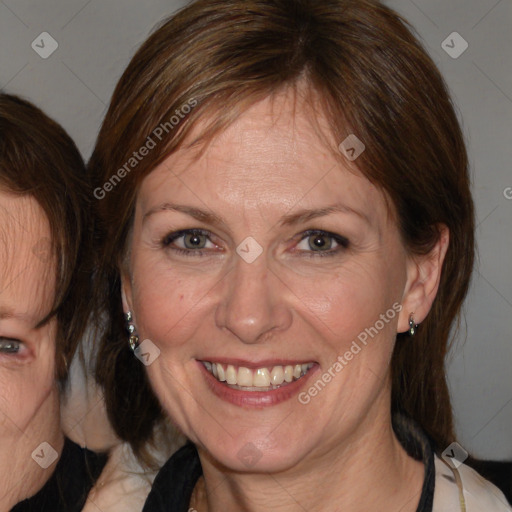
point(266, 378)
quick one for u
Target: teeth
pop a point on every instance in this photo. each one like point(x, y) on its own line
point(277, 376)
point(244, 377)
point(261, 378)
point(231, 374)
point(257, 380)
point(221, 374)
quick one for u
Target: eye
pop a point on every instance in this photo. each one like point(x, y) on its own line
point(189, 241)
point(322, 242)
point(10, 346)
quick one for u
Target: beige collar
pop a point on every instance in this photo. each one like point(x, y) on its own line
point(462, 489)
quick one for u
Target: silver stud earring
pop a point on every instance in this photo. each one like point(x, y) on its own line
point(412, 325)
point(133, 340)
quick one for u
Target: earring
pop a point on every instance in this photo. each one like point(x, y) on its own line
point(133, 340)
point(412, 325)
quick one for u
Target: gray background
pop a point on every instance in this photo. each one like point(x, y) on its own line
point(96, 39)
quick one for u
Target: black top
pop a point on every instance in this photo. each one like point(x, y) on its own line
point(173, 486)
point(70, 483)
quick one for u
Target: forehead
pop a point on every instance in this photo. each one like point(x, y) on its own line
point(279, 153)
point(27, 273)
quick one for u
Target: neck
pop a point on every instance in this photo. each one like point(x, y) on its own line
point(368, 471)
point(22, 477)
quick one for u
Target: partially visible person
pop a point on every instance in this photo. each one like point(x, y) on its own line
point(44, 291)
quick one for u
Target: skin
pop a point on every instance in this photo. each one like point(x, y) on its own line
point(289, 303)
point(29, 398)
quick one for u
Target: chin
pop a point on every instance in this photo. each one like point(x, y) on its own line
point(256, 453)
point(249, 459)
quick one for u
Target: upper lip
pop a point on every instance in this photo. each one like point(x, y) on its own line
point(262, 363)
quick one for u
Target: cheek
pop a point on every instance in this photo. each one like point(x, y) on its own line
point(345, 303)
point(167, 305)
point(24, 387)
point(23, 391)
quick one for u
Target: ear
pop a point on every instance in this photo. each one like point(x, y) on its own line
point(423, 278)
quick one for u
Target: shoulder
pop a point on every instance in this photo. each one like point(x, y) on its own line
point(123, 485)
point(464, 485)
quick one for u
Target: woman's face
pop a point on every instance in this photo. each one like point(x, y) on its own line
point(27, 350)
point(267, 253)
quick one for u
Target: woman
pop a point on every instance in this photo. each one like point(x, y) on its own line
point(285, 223)
point(43, 295)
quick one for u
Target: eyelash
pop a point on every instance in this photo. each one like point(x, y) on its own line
point(343, 243)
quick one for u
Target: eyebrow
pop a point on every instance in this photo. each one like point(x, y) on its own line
point(8, 314)
point(196, 213)
point(306, 215)
point(301, 216)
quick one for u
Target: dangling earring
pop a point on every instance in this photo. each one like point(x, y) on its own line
point(412, 325)
point(133, 340)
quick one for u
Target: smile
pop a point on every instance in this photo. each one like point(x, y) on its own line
point(260, 379)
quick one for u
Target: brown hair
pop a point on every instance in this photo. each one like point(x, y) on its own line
point(373, 78)
point(39, 159)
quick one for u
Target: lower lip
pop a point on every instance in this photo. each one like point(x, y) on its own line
point(256, 399)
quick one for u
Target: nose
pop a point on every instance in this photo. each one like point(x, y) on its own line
point(253, 304)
